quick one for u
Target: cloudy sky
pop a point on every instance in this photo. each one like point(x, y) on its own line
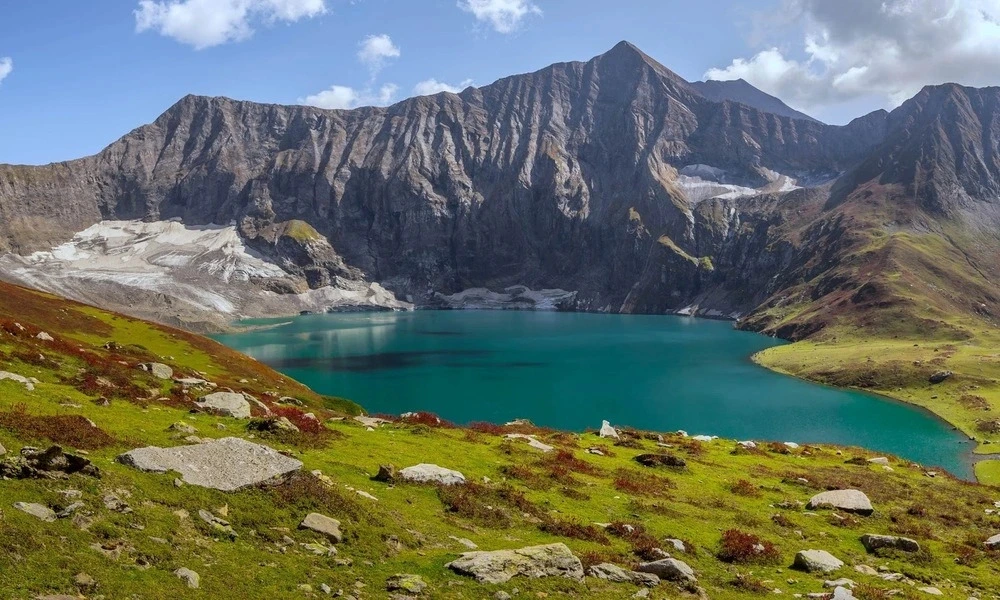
point(72, 84)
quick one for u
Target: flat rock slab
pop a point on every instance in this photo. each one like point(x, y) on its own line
point(426, 473)
point(532, 441)
point(27, 383)
point(853, 501)
point(500, 566)
point(323, 525)
point(228, 464)
point(39, 511)
point(994, 542)
point(616, 574)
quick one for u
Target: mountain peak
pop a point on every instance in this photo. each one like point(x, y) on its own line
point(743, 92)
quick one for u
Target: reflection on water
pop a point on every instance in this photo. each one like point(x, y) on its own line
point(570, 371)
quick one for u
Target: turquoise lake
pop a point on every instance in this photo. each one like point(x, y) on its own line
point(571, 370)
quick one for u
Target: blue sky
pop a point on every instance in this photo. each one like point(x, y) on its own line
point(76, 75)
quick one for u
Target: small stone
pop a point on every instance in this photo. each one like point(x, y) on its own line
point(993, 543)
point(182, 427)
point(192, 579)
point(501, 595)
point(940, 376)
point(677, 544)
point(412, 584)
point(616, 574)
point(933, 591)
point(465, 542)
point(84, 581)
point(323, 525)
point(879, 460)
point(607, 431)
point(44, 337)
point(842, 582)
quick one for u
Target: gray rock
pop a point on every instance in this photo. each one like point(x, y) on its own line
point(677, 544)
point(227, 464)
point(499, 566)
point(464, 541)
point(607, 431)
point(70, 510)
point(428, 473)
point(27, 383)
point(158, 370)
point(940, 376)
point(323, 525)
point(616, 574)
point(227, 404)
point(39, 511)
point(842, 582)
point(44, 337)
point(386, 474)
point(993, 543)
point(218, 524)
point(817, 561)
point(853, 501)
point(933, 591)
point(411, 584)
point(192, 579)
point(879, 460)
point(669, 569)
point(873, 542)
point(2, 450)
point(842, 593)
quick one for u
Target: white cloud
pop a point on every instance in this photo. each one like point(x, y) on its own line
point(504, 16)
point(888, 50)
point(342, 96)
point(6, 66)
point(429, 87)
point(206, 23)
point(375, 50)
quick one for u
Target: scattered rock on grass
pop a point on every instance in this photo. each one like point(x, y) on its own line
point(227, 404)
point(323, 525)
point(411, 584)
point(386, 474)
point(817, 561)
point(39, 511)
point(616, 574)
point(940, 376)
point(532, 441)
point(853, 501)
point(227, 464)
point(607, 431)
point(182, 427)
point(873, 542)
point(994, 542)
point(879, 460)
point(550, 560)
point(158, 370)
point(218, 524)
point(428, 473)
point(28, 384)
point(192, 579)
point(669, 569)
point(52, 463)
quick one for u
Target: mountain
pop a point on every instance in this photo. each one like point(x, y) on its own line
point(738, 90)
point(614, 184)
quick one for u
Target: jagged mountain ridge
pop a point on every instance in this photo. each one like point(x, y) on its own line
point(739, 90)
point(585, 176)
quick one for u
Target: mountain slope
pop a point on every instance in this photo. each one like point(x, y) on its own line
point(738, 90)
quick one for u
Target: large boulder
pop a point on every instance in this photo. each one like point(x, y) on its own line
point(670, 569)
point(616, 574)
point(323, 525)
point(853, 501)
point(427, 473)
point(228, 464)
point(873, 542)
point(817, 561)
point(551, 560)
point(227, 404)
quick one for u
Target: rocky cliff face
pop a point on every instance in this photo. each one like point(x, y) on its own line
point(614, 178)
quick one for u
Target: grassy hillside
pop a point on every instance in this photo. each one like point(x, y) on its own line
point(135, 529)
point(919, 306)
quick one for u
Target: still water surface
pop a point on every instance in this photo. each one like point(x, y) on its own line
point(571, 370)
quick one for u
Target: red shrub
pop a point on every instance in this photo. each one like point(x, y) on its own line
point(487, 428)
point(299, 419)
point(741, 547)
point(74, 431)
point(643, 484)
point(426, 418)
